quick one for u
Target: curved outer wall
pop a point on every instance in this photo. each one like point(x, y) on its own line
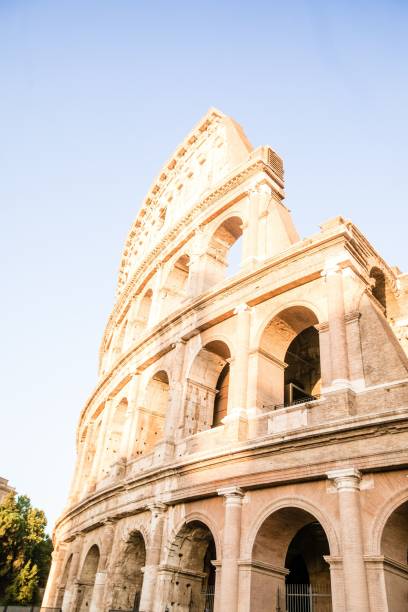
point(198, 468)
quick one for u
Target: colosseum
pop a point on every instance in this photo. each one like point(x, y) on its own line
point(245, 446)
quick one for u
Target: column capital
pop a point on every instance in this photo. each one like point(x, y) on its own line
point(231, 493)
point(157, 507)
point(345, 479)
point(330, 270)
point(242, 308)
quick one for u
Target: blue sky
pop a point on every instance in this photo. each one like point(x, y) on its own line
point(94, 96)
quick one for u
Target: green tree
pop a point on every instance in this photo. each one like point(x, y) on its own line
point(25, 550)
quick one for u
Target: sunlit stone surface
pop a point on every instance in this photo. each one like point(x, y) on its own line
point(245, 448)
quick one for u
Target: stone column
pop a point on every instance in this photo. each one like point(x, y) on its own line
point(153, 553)
point(356, 367)
point(325, 356)
point(347, 483)
point(217, 565)
point(195, 272)
point(71, 590)
point(337, 327)
point(54, 578)
point(336, 582)
point(242, 332)
point(157, 297)
point(231, 548)
point(176, 391)
point(251, 226)
point(98, 599)
point(83, 451)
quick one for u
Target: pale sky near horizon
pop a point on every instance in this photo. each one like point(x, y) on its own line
point(96, 95)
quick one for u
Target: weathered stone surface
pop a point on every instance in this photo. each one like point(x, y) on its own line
point(247, 432)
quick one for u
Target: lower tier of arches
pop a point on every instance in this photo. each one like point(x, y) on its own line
point(334, 545)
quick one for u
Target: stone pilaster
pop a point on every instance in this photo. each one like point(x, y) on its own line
point(100, 445)
point(176, 391)
point(242, 331)
point(58, 557)
point(71, 589)
point(337, 327)
point(231, 547)
point(153, 552)
point(98, 594)
point(347, 483)
point(355, 356)
point(79, 476)
point(251, 227)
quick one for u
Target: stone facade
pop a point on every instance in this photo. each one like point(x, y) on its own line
point(245, 447)
point(4, 488)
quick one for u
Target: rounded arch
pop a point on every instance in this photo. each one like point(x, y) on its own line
point(127, 579)
point(207, 387)
point(192, 577)
point(222, 236)
point(87, 578)
point(289, 369)
point(394, 550)
point(153, 412)
point(92, 556)
point(137, 526)
point(115, 433)
point(64, 580)
point(267, 318)
point(175, 285)
point(202, 342)
point(199, 517)
point(300, 503)
point(386, 510)
point(160, 372)
point(378, 288)
point(145, 304)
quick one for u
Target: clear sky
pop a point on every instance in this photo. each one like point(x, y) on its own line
point(95, 96)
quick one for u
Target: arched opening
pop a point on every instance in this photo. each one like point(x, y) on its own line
point(191, 584)
point(289, 359)
point(115, 433)
point(145, 306)
point(302, 374)
point(221, 397)
point(394, 547)
point(207, 388)
point(224, 254)
point(175, 287)
point(119, 344)
point(379, 287)
point(293, 544)
point(152, 414)
point(128, 574)
point(63, 583)
point(139, 319)
point(87, 579)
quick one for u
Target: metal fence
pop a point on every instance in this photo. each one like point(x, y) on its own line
point(16, 608)
point(308, 598)
point(209, 599)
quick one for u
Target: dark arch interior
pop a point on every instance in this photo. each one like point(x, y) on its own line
point(221, 398)
point(379, 289)
point(193, 581)
point(302, 375)
point(394, 547)
point(308, 581)
point(128, 579)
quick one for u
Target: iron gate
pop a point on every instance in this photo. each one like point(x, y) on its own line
point(308, 598)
